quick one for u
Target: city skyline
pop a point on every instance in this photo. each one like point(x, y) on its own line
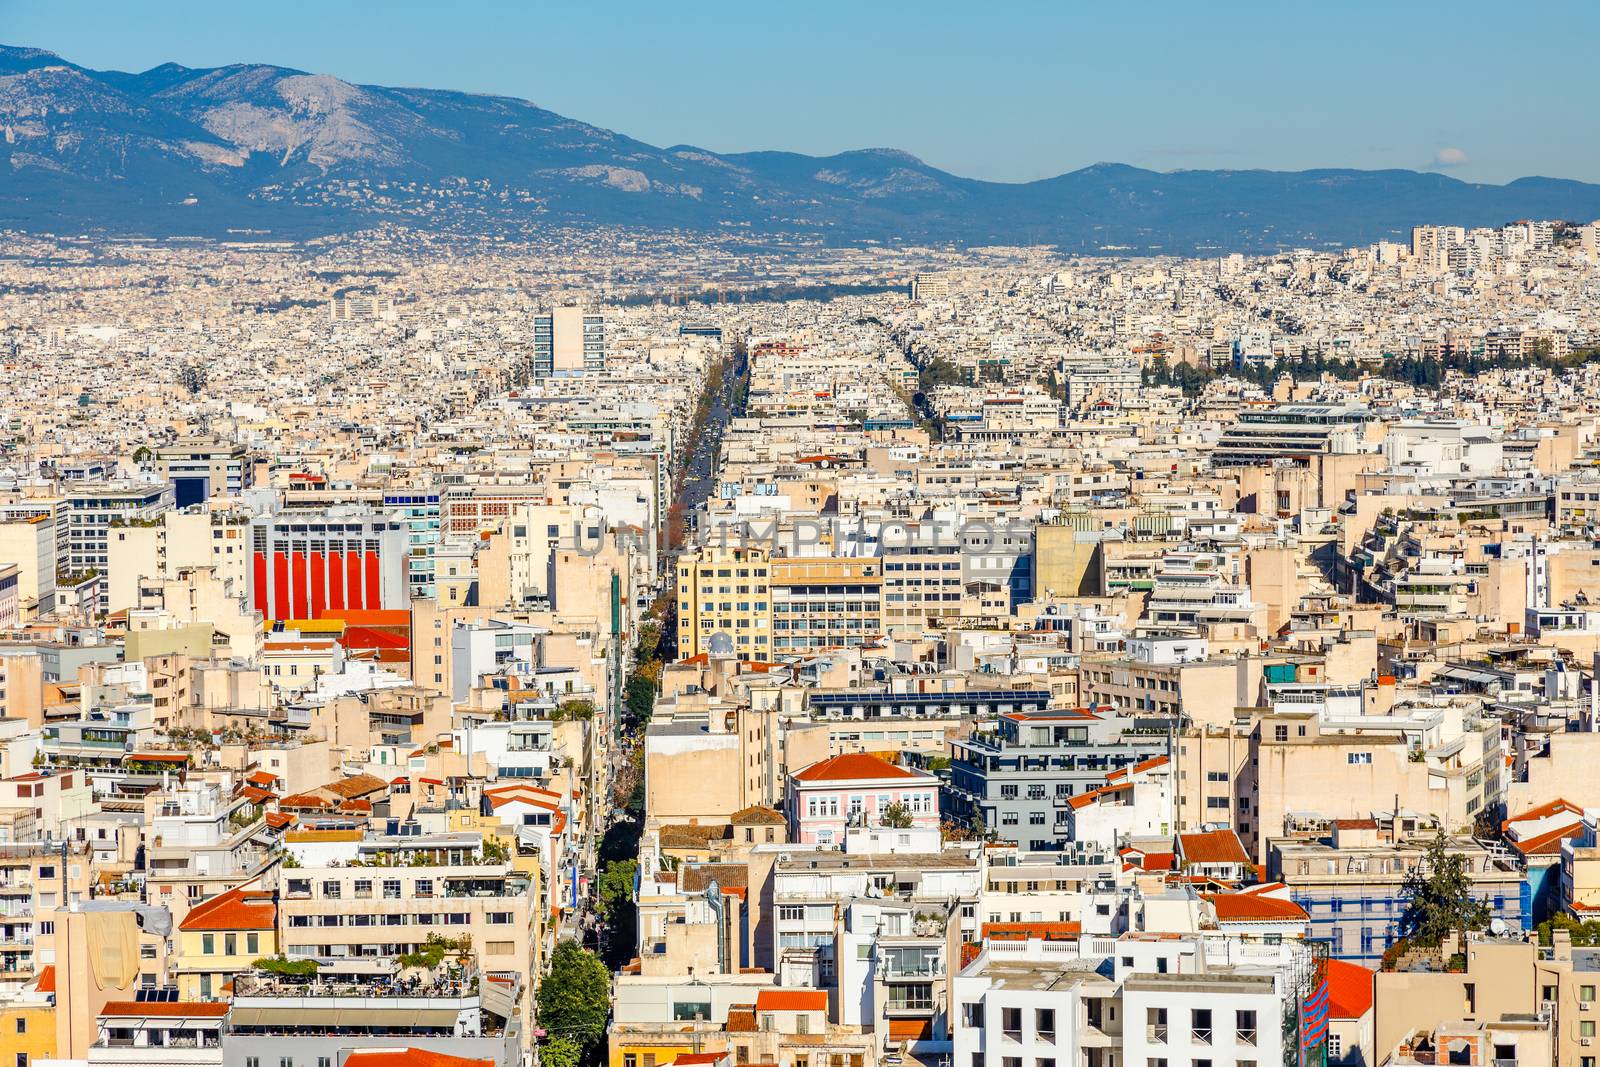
point(1231, 90)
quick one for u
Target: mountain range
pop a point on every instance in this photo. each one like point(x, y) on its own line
point(176, 150)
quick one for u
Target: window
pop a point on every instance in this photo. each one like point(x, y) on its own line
point(1011, 1022)
point(629, 1059)
point(1354, 758)
point(1586, 994)
point(1280, 732)
point(252, 1061)
point(208, 944)
point(499, 948)
point(1336, 1047)
point(22, 1026)
point(1200, 1026)
point(391, 889)
point(791, 913)
point(1244, 1022)
point(1586, 1028)
point(972, 1014)
point(1155, 1025)
point(1044, 1023)
point(252, 943)
point(324, 1061)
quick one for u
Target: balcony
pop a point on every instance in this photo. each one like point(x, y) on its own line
point(1156, 1035)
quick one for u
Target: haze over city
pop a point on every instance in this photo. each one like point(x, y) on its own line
point(876, 536)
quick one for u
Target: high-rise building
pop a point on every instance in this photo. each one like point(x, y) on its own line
point(570, 339)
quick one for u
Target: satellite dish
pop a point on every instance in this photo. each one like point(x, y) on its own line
point(1497, 927)
point(720, 644)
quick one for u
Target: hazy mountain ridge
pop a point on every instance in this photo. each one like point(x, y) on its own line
point(181, 150)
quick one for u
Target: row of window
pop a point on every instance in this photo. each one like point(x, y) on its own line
point(452, 918)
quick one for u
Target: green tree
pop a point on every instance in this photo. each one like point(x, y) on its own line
point(577, 709)
point(561, 1051)
point(640, 696)
point(616, 887)
point(1583, 934)
point(896, 817)
point(1439, 898)
point(574, 1000)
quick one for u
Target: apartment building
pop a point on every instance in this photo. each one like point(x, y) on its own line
point(201, 469)
point(1187, 1000)
point(361, 895)
point(1019, 778)
point(1350, 880)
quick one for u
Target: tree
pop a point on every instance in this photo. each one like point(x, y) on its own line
point(1583, 934)
point(1439, 899)
point(574, 1000)
point(896, 817)
point(616, 887)
point(578, 709)
point(560, 1051)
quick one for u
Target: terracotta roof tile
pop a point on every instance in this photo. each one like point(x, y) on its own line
point(852, 766)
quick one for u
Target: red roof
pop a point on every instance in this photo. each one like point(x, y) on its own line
point(1547, 844)
point(792, 1000)
point(237, 909)
point(1150, 861)
point(1543, 811)
point(368, 616)
point(1254, 907)
point(852, 766)
point(178, 1009)
point(1349, 989)
point(409, 1057)
point(1212, 846)
point(1041, 931)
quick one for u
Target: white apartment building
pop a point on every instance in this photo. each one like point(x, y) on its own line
point(1131, 1001)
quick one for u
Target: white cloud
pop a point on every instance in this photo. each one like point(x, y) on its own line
point(1449, 157)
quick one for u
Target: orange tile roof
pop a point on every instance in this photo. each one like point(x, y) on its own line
point(1349, 989)
point(237, 909)
point(1253, 907)
point(1022, 931)
point(1212, 846)
point(792, 1000)
point(1547, 844)
point(1543, 811)
point(1083, 800)
point(852, 766)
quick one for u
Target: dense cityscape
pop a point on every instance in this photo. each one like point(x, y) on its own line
point(646, 649)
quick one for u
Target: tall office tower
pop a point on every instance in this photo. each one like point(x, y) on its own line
point(570, 339)
point(305, 563)
point(1590, 237)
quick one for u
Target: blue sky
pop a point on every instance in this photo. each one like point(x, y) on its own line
point(1007, 91)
